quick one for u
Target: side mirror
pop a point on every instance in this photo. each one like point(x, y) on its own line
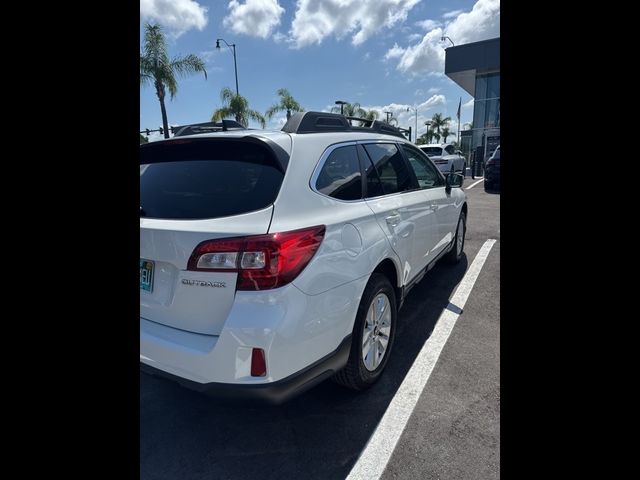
point(454, 180)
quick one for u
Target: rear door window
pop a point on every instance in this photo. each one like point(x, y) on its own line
point(199, 179)
point(390, 168)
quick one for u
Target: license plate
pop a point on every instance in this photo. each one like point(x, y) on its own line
point(146, 275)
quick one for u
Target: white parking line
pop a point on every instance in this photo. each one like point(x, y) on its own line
point(375, 456)
point(474, 184)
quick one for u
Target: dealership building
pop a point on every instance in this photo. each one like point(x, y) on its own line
point(476, 68)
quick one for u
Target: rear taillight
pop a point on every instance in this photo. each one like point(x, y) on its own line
point(262, 261)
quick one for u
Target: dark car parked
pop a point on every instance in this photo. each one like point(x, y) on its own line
point(492, 172)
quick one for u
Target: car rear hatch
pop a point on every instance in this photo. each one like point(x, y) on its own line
point(193, 190)
point(435, 154)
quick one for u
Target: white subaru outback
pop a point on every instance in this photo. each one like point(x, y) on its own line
point(271, 261)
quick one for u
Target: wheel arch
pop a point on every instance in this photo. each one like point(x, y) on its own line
point(389, 269)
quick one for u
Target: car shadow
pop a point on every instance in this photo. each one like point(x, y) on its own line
point(318, 435)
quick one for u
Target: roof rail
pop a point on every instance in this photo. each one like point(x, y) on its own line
point(205, 127)
point(317, 122)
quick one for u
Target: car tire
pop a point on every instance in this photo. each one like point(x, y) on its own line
point(455, 255)
point(356, 375)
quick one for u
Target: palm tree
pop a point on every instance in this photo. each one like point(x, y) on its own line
point(158, 70)
point(143, 139)
point(370, 114)
point(437, 123)
point(287, 102)
point(236, 106)
point(350, 110)
point(445, 134)
point(392, 120)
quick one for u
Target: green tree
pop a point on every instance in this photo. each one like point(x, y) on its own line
point(238, 107)
point(143, 139)
point(426, 138)
point(287, 102)
point(438, 123)
point(370, 114)
point(350, 110)
point(157, 69)
point(445, 134)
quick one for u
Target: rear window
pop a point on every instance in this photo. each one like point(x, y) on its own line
point(432, 151)
point(206, 179)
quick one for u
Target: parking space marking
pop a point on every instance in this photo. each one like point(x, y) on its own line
point(474, 184)
point(375, 456)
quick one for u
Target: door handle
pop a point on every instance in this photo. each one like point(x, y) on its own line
point(393, 220)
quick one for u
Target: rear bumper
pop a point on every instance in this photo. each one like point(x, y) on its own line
point(274, 392)
point(492, 174)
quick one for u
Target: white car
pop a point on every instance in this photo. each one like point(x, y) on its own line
point(271, 261)
point(446, 158)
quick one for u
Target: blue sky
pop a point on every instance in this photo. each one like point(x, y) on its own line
point(383, 54)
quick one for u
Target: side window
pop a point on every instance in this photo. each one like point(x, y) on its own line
point(340, 175)
point(392, 171)
point(374, 187)
point(449, 149)
point(426, 173)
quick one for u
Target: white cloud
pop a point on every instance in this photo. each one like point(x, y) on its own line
point(481, 23)
point(468, 104)
point(394, 52)
point(257, 18)
point(428, 24)
point(408, 118)
point(427, 57)
point(453, 13)
point(178, 15)
point(413, 37)
point(434, 89)
point(279, 37)
point(314, 20)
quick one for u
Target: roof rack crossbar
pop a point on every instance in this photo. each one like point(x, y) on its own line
point(316, 122)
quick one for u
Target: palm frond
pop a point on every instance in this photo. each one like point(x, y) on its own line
point(257, 116)
point(221, 113)
point(188, 65)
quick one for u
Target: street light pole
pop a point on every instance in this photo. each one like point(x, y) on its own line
point(428, 124)
point(415, 140)
point(235, 64)
point(342, 104)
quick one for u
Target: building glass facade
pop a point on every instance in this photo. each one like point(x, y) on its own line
point(486, 110)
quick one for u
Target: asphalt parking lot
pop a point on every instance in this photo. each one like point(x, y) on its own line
point(453, 432)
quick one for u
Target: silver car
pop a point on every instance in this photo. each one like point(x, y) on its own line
point(446, 157)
